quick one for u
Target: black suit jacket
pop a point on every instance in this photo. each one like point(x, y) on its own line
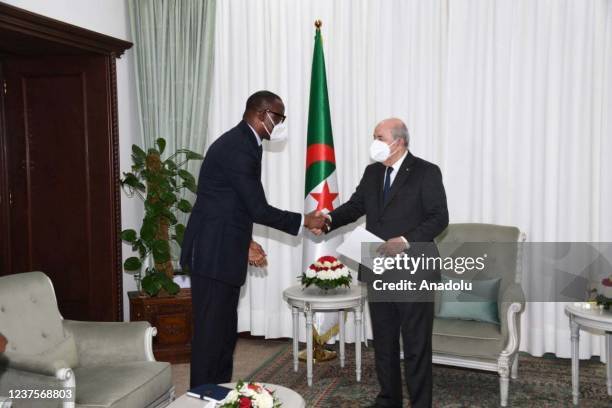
point(230, 199)
point(416, 208)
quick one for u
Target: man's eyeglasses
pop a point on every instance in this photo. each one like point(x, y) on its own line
point(280, 115)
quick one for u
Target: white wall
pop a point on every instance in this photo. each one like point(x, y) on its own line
point(108, 17)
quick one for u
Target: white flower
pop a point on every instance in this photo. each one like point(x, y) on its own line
point(263, 400)
point(231, 397)
point(327, 264)
point(310, 273)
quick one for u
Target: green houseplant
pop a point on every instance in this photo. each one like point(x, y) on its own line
point(160, 184)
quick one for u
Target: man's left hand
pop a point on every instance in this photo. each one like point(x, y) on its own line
point(257, 256)
point(393, 246)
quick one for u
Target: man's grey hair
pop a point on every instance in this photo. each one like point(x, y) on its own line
point(400, 131)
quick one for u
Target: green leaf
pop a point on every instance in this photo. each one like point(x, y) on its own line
point(148, 229)
point(132, 264)
point(169, 216)
point(151, 284)
point(179, 231)
point(138, 153)
point(153, 209)
point(193, 155)
point(187, 176)
point(170, 164)
point(169, 285)
point(128, 235)
point(184, 206)
point(168, 197)
point(161, 251)
point(161, 143)
point(191, 186)
point(131, 180)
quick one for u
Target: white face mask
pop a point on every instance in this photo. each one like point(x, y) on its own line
point(380, 151)
point(279, 131)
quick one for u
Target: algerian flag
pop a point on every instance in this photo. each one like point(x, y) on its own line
point(321, 181)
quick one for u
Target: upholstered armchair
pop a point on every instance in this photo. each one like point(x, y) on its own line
point(479, 344)
point(104, 364)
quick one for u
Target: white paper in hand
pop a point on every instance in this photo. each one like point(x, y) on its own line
point(351, 247)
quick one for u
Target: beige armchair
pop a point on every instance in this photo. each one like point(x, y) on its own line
point(476, 344)
point(105, 364)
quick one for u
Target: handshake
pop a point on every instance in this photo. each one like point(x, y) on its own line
point(317, 222)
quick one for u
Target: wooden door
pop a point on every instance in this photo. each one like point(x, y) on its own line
point(62, 205)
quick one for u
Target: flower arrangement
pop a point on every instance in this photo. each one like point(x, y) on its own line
point(250, 395)
point(327, 273)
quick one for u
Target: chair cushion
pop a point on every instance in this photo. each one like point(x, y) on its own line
point(132, 384)
point(467, 338)
point(479, 304)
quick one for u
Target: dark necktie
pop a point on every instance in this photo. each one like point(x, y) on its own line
point(260, 151)
point(387, 186)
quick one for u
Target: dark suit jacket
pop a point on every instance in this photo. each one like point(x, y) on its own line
point(416, 208)
point(230, 199)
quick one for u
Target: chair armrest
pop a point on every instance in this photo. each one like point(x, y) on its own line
point(37, 364)
point(511, 304)
point(110, 342)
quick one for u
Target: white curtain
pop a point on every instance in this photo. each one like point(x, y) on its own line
point(510, 98)
point(528, 142)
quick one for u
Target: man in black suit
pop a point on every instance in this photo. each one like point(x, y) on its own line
point(218, 245)
point(403, 199)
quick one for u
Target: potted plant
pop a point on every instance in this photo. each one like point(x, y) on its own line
point(160, 184)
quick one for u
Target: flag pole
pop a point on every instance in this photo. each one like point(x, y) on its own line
point(321, 190)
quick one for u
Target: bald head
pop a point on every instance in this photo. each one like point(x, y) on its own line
point(393, 130)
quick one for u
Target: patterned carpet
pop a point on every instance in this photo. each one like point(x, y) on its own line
point(542, 382)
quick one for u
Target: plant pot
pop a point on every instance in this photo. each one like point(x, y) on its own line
point(172, 317)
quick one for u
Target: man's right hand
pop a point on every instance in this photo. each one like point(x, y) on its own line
point(3, 342)
point(317, 222)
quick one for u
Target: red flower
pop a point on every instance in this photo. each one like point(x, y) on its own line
point(607, 282)
point(254, 387)
point(327, 259)
point(245, 402)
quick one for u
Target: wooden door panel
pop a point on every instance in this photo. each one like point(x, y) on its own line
point(62, 219)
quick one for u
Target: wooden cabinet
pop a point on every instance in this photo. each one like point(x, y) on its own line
point(59, 161)
point(172, 318)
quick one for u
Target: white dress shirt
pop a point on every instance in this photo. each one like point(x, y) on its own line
point(259, 142)
point(396, 166)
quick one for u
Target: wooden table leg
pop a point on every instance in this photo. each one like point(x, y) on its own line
point(296, 337)
point(575, 333)
point(358, 342)
point(609, 360)
point(308, 311)
point(341, 325)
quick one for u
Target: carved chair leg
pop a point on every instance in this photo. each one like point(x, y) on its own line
point(515, 363)
point(504, 380)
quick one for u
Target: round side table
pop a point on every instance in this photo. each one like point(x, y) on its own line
point(313, 299)
point(588, 316)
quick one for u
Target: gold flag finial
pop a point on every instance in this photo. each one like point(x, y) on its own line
point(318, 24)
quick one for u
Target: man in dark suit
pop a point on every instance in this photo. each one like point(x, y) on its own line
point(218, 246)
point(404, 202)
